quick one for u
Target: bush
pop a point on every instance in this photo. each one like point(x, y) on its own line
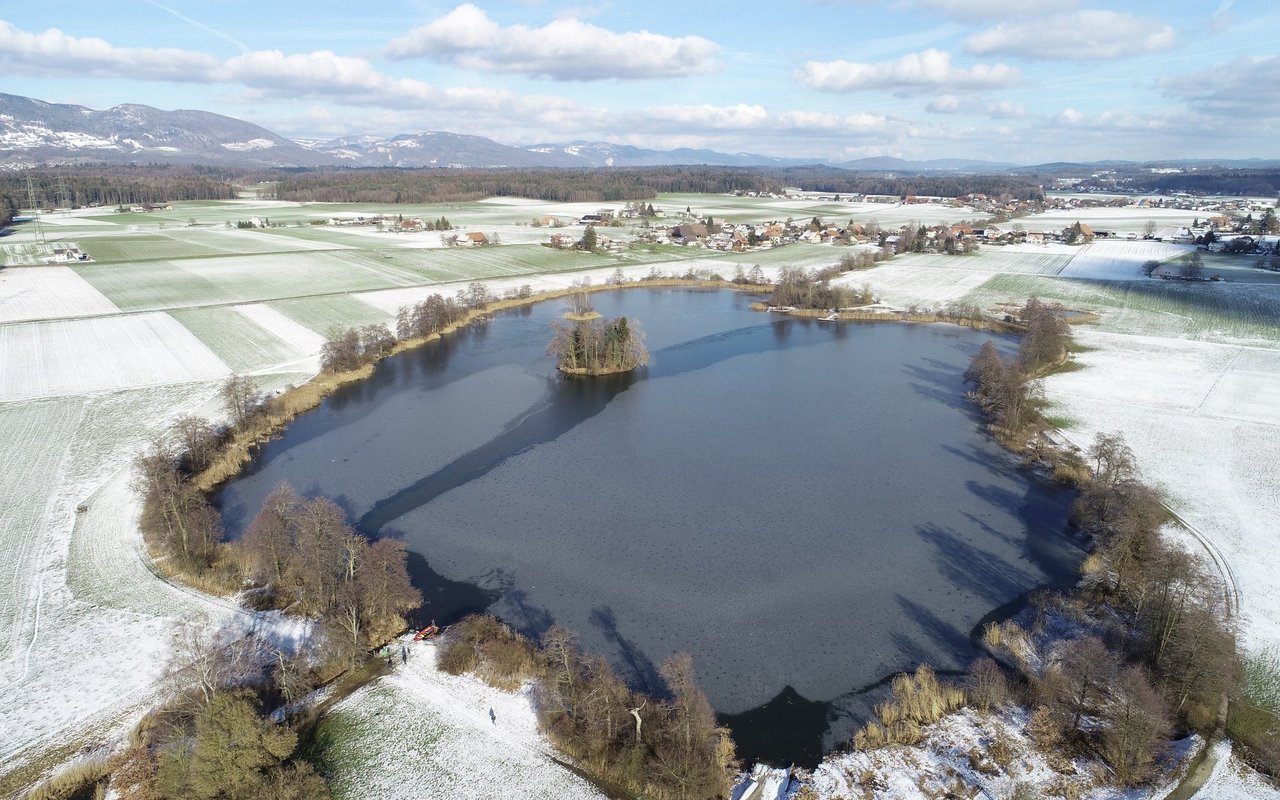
point(84, 779)
point(497, 655)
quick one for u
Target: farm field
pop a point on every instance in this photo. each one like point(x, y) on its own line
point(1119, 260)
point(243, 348)
point(1196, 416)
point(1207, 311)
point(47, 292)
point(319, 314)
point(183, 283)
point(1127, 219)
point(80, 356)
point(1029, 260)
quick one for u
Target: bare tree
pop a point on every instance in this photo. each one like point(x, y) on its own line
point(241, 398)
point(199, 441)
point(986, 685)
point(1137, 727)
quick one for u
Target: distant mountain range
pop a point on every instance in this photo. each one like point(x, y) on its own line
point(34, 133)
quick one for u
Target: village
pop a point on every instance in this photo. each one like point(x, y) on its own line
point(1234, 226)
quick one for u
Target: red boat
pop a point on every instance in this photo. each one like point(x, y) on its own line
point(429, 632)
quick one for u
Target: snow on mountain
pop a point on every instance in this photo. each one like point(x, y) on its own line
point(33, 131)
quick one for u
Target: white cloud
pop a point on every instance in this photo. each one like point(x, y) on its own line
point(930, 69)
point(1122, 121)
point(741, 116)
point(1083, 36)
point(822, 121)
point(1246, 87)
point(1004, 109)
point(950, 104)
point(54, 52)
point(565, 49)
point(322, 70)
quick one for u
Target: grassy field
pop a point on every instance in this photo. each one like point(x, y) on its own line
point(420, 733)
point(235, 279)
point(243, 347)
point(145, 247)
point(322, 313)
point(1209, 311)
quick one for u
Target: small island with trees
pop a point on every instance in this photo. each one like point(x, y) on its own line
point(597, 346)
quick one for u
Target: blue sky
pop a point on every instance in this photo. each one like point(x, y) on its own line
point(1025, 81)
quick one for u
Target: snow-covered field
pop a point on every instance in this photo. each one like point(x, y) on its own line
point(421, 733)
point(1119, 260)
point(1124, 219)
point(48, 292)
point(1199, 416)
point(76, 356)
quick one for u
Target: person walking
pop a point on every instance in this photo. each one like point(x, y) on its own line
point(492, 716)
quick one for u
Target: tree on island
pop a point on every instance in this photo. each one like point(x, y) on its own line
point(597, 346)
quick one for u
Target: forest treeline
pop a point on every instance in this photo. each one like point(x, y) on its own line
point(666, 747)
point(1201, 181)
point(121, 185)
point(555, 185)
point(843, 181)
point(617, 184)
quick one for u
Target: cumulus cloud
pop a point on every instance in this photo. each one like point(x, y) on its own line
point(1246, 87)
point(305, 71)
point(54, 52)
point(566, 49)
point(930, 69)
point(1083, 36)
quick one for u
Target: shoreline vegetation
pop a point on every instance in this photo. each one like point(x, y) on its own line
point(1140, 636)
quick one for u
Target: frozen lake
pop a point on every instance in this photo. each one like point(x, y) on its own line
point(796, 503)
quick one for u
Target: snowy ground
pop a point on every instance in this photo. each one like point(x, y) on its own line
point(47, 292)
point(1232, 780)
point(1200, 418)
point(958, 750)
point(1191, 378)
point(421, 733)
point(1123, 219)
point(1119, 260)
